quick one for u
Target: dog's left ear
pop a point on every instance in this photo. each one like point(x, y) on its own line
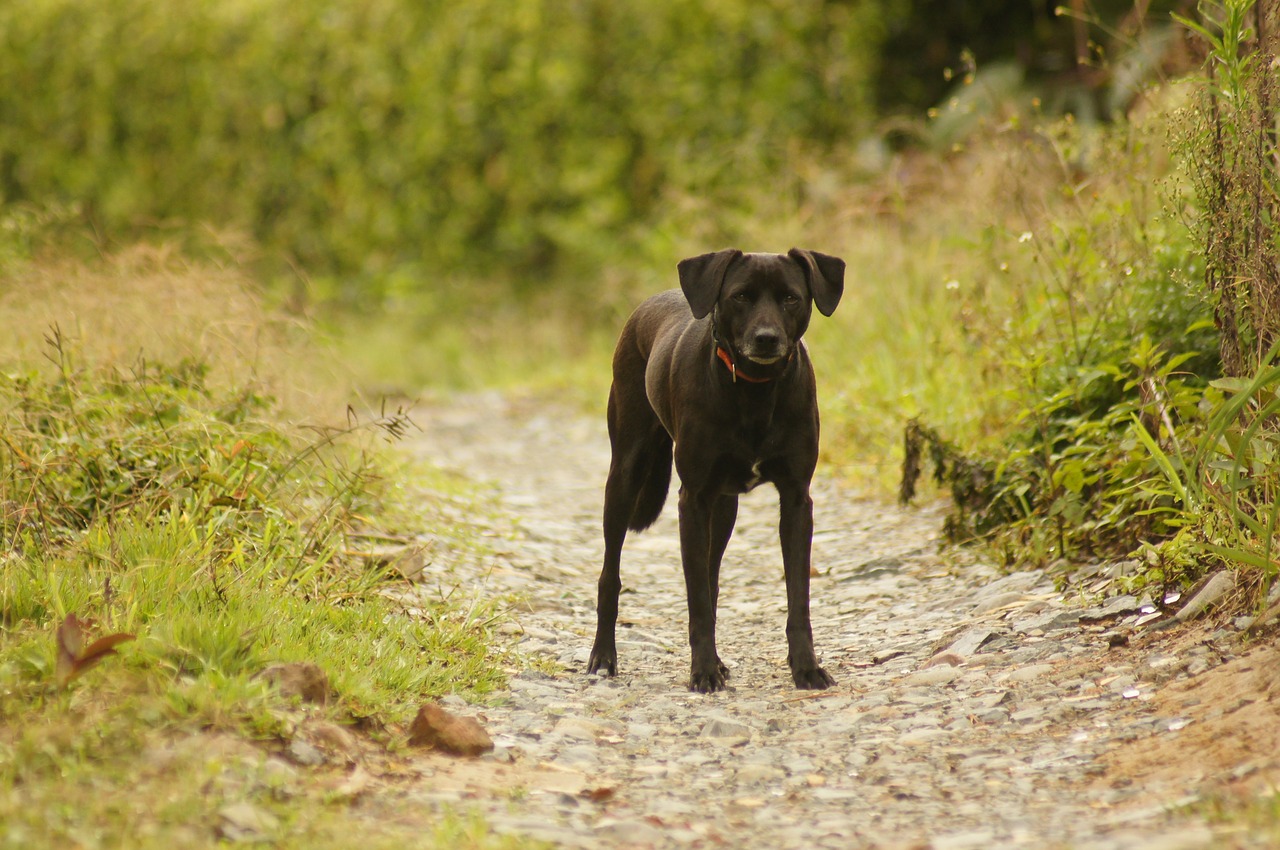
point(701, 278)
point(826, 278)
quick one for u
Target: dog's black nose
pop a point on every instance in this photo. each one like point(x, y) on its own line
point(766, 340)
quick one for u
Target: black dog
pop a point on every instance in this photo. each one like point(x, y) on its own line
point(718, 371)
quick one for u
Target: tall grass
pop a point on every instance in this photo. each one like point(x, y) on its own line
point(154, 483)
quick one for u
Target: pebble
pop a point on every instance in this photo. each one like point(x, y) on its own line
point(1030, 673)
point(949, 727)
point(934, 676)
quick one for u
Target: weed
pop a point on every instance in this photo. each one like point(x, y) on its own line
point(168, 499)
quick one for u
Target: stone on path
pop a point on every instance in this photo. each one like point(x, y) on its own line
point(449, 733)
point(301, 679)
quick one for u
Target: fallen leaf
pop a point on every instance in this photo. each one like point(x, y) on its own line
point(599, 795)
point(72, 659)
point(70, 638)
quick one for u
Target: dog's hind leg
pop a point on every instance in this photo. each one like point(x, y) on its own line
point(639, 474)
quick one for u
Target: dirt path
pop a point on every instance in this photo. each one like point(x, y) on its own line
point(972, 710)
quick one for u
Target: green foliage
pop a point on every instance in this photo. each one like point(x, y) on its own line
point(169, 501)
point(1078, 47)
point(1147, 414)
point(1106, 327)
point(1232, 146)
point(159, 506)
point(418, 136)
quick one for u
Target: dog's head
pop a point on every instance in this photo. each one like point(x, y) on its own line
point(762, 302)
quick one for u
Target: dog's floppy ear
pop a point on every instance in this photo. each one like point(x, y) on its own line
point(701, 278)
point(826, 278)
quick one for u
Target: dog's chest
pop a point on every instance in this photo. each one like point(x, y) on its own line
point(742, 467)
point(743, 479)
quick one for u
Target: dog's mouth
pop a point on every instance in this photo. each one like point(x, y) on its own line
point(764, 360)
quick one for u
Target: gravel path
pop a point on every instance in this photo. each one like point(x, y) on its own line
point(972, 709)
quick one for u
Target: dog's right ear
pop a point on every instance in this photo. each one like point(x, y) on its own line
point(702, 276)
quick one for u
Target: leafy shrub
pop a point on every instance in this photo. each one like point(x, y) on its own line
point(1109, 328)
point(366, 137)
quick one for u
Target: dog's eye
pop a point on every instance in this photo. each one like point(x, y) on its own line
point(741, 297)
point(791, 300)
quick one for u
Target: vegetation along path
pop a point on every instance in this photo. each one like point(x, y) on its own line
point(973, 708)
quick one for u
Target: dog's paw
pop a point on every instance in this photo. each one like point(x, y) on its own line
point(812, 679)
point(724, 670)
point(708, 681)
point(603, 660)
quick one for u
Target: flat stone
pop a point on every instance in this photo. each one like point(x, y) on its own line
point(723, 727)
point(579, 729)
point(1000, 600)
point(970, 641)
point(975, 840)
point(753, 773)
point(304, 753)
point(922, 737)
point(1049, 622)
point(1030, 673)
point(245, 822)
point(934, 676)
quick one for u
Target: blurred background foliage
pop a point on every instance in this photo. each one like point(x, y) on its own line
point(425, 137)
point(384, 146)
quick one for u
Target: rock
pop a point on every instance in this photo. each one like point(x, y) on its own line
point(301, 679)
point(723, 727)
point(886, 655)
point(304, 753)
point(1212, 591)
point(977, 840)
point(579, 729)
point(993, 700)
point(459, 736)
point(1049, 622)
point(627, 832)
point(753, 773)
point(245, 822)
point(1115, 607)
point(948, 659)
point(934, 676)
point(997, 601)
point(334, 741)
point(1030, 673)
point(409, 560)
point(970, 641)
point(1218, 586)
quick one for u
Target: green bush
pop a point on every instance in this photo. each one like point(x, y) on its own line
point(432, 136)
point(151, 500)
point(1105, 329)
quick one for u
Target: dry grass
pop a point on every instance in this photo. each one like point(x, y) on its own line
point(153, 302)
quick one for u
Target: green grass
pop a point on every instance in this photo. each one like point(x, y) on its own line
point(154, 484)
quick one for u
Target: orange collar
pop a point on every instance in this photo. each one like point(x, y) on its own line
point(727, 360)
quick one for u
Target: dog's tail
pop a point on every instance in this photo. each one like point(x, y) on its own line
point(655, 482)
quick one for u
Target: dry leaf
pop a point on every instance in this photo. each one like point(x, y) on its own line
point(72, 659)
point(599, 795)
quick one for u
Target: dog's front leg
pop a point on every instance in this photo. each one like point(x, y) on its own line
point(795, 529)
point(706, 674)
